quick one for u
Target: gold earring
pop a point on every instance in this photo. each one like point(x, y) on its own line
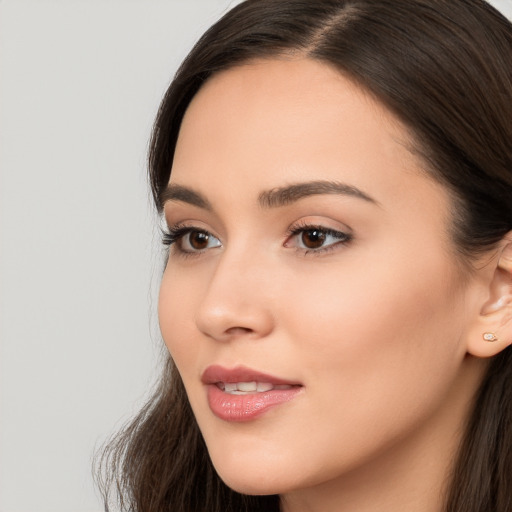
point(489, 336)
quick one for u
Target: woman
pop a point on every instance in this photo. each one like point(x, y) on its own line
point(336, 181)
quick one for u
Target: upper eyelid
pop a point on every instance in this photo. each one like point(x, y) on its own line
point(183, 227)
point(187, 225)
point(323, 224)
point(182, 230)
point(329, 231)
point(320, 227)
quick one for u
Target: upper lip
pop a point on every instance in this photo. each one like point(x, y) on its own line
point(215, 373)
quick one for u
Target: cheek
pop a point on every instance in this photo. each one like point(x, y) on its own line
point(175, 310)
point(373, 337)
point(372, 351)
point(375, 301)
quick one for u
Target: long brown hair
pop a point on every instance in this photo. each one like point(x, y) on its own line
point(444, 68)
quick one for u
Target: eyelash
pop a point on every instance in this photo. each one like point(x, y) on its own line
point(343, 237)
point(176, 233)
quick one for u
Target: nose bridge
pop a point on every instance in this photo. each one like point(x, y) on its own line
point(236, 299)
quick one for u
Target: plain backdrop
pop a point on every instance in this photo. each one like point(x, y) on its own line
point(80, 83)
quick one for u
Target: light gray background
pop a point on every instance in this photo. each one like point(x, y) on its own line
point(80, 82)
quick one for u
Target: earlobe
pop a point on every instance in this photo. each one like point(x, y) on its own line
point(490, 336)
point(492, 331)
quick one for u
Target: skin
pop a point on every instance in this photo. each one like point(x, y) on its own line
point(375, 329)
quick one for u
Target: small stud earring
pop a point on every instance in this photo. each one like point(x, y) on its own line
point(489, 336)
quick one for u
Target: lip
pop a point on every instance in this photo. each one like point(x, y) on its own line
point(242, 408)
point(216, 373)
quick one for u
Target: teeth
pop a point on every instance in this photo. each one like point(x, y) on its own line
point(242, 388)
point(247, 386)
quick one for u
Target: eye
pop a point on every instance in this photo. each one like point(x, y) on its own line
point(190, 240)
point(313, 238)
point(196, 240)
point(316, 238)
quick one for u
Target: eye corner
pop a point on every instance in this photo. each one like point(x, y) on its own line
point(190, 240)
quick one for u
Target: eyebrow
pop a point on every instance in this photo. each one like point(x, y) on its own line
point(175, 192)
point(283, 196)
point(274, 198)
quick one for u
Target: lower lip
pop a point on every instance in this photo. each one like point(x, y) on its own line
point(240, 408)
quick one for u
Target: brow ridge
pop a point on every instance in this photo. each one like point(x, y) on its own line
point(282, 196)
point(174, 192)
point(273, 198)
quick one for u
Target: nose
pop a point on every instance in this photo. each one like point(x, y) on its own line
point(237, 301)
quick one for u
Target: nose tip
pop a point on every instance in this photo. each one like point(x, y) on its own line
point(230, 322)
point(232, 307)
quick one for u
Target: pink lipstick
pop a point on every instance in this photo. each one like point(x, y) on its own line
point(241, 394)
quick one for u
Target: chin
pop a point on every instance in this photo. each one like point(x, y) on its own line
point(256, 477)
point(251, 489)
point(247, 484)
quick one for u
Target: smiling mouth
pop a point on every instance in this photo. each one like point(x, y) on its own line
point(241, 394)
point(249, 388)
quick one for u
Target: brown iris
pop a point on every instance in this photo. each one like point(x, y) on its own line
point(313, 238)
point(198, 240)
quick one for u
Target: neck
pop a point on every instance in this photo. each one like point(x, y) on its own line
point(413, 474)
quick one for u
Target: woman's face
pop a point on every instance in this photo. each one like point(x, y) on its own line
point(312, 301)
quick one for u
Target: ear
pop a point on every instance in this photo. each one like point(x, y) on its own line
point(492, 330)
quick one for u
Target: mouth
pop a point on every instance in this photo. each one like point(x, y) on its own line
point(248, 388)
point(241, 394)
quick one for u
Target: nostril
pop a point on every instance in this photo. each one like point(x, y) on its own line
point(224, 314)
point(238, 330)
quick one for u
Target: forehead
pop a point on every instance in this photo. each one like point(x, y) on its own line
point(281, 102)
point(284, 97)
point(271, 122)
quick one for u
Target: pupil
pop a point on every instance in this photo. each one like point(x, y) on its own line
point(313, 238)
point(198, 240)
